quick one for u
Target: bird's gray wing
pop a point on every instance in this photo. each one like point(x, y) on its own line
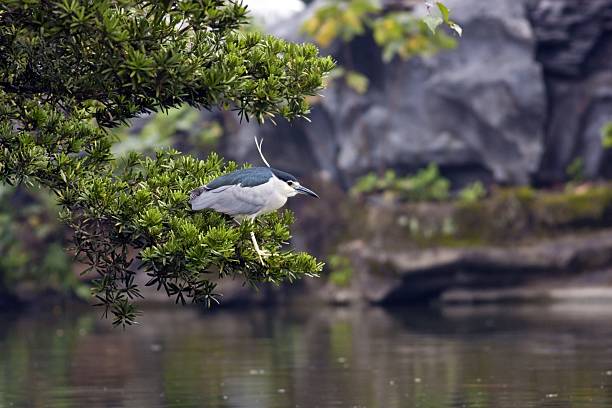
point(230, 200)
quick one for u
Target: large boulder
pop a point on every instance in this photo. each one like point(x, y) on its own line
point(478, 110)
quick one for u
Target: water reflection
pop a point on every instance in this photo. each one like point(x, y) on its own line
point(480, 357)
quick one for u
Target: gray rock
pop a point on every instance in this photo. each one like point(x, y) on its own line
point(525, 93)
point(480, 106)
point(574, 46)
point(386, 276)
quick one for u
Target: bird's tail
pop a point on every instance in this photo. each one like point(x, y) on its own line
point(195, 193)
point(198, 198)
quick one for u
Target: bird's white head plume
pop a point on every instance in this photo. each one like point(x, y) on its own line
point(258, 144)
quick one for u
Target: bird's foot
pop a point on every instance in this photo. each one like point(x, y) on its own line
point(261, 253)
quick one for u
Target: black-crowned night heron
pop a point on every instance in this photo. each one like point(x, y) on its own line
point(247, 193)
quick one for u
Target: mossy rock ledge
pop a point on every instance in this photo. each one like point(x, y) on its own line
point(566, 267)
point(518, 244)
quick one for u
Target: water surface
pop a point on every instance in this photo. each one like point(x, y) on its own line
point(475, 357)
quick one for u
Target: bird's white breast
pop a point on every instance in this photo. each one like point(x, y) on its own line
point(273, 193)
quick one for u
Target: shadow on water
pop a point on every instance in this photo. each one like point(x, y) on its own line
point(297, 357)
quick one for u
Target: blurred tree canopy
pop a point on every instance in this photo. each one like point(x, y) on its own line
point(394, 26)
point(71, 69)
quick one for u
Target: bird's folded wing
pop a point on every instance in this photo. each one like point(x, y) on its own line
point(231, 200)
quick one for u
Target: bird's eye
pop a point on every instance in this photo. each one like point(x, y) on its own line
point(290, 182)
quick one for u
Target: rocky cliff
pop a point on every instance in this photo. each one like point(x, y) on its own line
point(525, 93)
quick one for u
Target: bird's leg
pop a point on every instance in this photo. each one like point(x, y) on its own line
point(260, 253)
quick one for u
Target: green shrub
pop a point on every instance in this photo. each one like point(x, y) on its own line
point(472, 192)
point(426, 185)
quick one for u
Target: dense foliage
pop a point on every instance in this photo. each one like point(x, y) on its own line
point(71, 69)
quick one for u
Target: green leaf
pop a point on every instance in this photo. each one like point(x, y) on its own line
point(444, 11)
point(432, 22)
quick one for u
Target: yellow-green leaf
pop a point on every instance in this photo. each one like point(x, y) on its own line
point(444, 11)
point(358, 82)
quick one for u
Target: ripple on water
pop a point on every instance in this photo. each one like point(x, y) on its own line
point(307, 358)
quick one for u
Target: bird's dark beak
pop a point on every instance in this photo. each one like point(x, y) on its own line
point(304, 190)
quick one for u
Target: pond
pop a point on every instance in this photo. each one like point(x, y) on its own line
point(547, 356)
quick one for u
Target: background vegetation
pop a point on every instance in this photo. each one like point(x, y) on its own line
point(71, 70)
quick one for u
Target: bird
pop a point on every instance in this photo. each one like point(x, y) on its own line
point(248, 193)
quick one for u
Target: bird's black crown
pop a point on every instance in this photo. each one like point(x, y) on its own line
point(282, 175)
